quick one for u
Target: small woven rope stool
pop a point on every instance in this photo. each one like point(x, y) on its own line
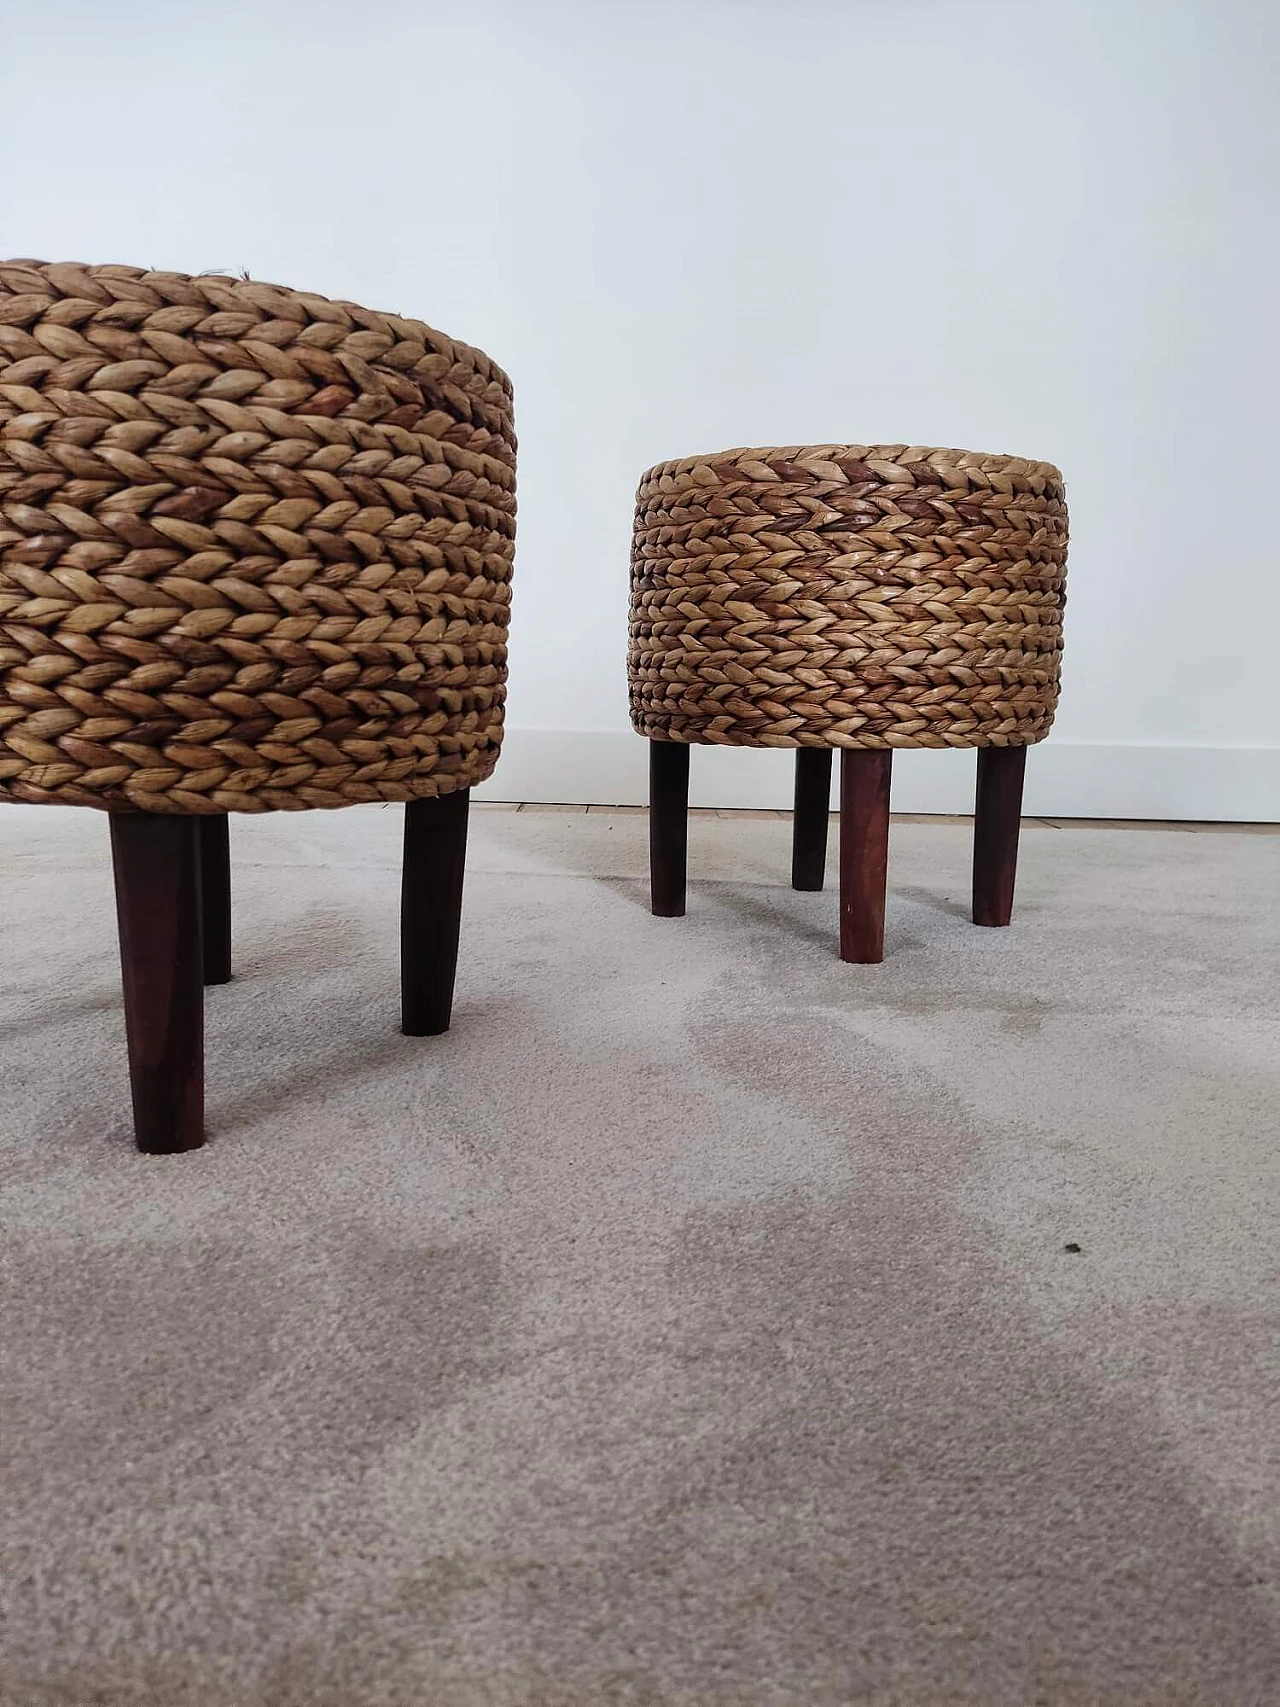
point(864, 597)
point(255, 554)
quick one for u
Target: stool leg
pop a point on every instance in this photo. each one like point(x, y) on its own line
point(996, 820)
point(156, 861)
point(809, 822)
point(215, 897)
point(864, 852)
point(668, 826)
point(435, 855)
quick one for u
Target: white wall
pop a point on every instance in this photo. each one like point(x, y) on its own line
point(1010, 226)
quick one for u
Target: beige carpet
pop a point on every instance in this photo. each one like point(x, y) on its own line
point(699, 1322)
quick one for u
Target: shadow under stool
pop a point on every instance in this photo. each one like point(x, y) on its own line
point(864, 835)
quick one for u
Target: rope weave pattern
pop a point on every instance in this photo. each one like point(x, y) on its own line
point(847, 596)
point(255, 546)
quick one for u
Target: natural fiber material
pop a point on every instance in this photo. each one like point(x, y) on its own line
point(848, 596)
point(255, 546)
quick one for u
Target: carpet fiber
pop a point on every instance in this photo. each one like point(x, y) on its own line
point(701, 1321)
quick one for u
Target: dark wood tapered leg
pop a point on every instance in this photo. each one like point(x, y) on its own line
point(668, 826)
point(809, 822)
point(864, 852)
point(157, 873)
point(996, 821)
point(215, 898)
point(435, 856)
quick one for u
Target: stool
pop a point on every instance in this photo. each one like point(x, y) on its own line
point(255, 554)
point(865, 597)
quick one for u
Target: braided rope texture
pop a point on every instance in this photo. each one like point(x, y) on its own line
point(847, 596)
point(255, 546)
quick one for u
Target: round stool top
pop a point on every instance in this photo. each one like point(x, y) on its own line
point(847, 596)
point(255, 546)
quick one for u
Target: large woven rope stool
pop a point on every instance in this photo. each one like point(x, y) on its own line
point(255, 553)
point(865, 597)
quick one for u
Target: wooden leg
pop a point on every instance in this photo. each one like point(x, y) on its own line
point(864, 852)
point(996, 821)
point(435, 855)
point(156, 860)
point(809, 823)
point(215, 898)
point(668, 826)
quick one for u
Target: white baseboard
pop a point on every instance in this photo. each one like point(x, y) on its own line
point(1064, 779)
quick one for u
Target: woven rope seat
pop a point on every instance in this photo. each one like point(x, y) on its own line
point(255, 554)
point(255, 546)
point(872, 596)
point(860, 597)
